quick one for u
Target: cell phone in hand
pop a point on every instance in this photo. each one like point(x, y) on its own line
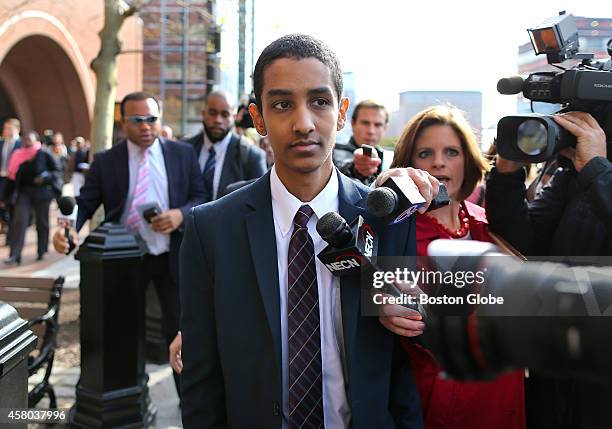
point(150, 213)
point(367, 150)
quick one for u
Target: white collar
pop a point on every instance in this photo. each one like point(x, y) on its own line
point(285, 205)
point(135, 150)
point(220, 146)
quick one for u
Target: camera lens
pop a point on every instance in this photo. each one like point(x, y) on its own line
point(532, 137)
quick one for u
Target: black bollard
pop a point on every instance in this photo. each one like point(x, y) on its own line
point(16, 343)
point(112, 391)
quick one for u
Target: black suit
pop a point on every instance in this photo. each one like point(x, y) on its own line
point(107, 183)
point(243, 161)
point(230, 320)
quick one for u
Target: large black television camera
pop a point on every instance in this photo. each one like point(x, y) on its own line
point(585, 87)
point(546, 316)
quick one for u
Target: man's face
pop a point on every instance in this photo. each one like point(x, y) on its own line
point(8, 131)
point(300, 114)
point(141, 122)
point(217, 117)
point(369, 126)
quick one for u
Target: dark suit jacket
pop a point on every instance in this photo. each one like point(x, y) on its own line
point(108, 182)
point(243, 161)
point(17, 145)
point(5, 187)
point(231, 320)
point(43, 165)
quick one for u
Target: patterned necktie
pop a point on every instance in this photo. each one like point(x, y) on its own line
point(140, 193)
point(209, 171)
point(304, 335)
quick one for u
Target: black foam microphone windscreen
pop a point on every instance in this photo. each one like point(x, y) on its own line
point(333, 229)
point(66, 205)
point(510, 85)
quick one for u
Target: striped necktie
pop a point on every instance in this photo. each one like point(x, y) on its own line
point(303, 329)
point(134, 220)
point(209, 171)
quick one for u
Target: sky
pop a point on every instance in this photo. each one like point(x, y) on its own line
point(398, 45)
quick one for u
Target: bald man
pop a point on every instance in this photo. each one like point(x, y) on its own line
point(224, 157)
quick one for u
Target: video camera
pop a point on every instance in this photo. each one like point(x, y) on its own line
point(586, 87)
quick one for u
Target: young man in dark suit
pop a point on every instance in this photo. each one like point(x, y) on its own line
point(145, 169)
point(270, 338)
point(224, 156)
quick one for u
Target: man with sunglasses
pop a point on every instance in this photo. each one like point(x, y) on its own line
point(145, 171)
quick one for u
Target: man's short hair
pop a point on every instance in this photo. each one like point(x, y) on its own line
point(221, 94)
point(296, 46)
point(136, 96)
point(14, 122)
point(369, 104)
point(32, 135)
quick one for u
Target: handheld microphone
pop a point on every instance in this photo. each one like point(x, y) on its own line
point(510, 85)
point(351, 247)
point(394, 203)
point(67, 218)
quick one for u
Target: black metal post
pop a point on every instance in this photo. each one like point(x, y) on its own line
point(112, 391)
point(16, 343)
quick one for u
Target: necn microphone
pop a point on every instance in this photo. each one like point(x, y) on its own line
point(351, 247)
point(67, 218)
point(394, 203)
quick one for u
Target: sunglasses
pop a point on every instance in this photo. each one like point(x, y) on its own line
point(137, 120)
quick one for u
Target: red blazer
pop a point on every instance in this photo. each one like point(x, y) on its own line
point(497, 404)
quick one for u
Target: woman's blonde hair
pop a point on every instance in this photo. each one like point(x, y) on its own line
point(475, 164)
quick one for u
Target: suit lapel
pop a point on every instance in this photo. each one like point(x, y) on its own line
point(350, 293)
point(199, 143)
point(230, 166)
point(171, 172)
point(262, 242)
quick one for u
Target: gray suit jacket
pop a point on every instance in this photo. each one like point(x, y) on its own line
point(243, 160)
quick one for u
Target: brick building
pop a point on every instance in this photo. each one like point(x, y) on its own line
point(46, 47)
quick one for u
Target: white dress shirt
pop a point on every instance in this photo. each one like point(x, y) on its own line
point(156, 192)
point(7, 147)
point(220, 150)
point(336, 410)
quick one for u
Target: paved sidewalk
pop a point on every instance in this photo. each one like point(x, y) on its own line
point(161, 388)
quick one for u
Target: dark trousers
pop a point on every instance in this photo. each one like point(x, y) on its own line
point(21, 220)
point(6, 211)
point(157, 271)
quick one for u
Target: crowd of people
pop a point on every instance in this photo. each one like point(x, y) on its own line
point(33, 171)
point(260, 334)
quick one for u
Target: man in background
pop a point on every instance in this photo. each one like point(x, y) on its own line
point(224, 157)
point(9, 142)
point(369, 122)
point(145, 171)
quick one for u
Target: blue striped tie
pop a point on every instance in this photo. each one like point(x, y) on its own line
point(303, 331)
point(209, 171)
